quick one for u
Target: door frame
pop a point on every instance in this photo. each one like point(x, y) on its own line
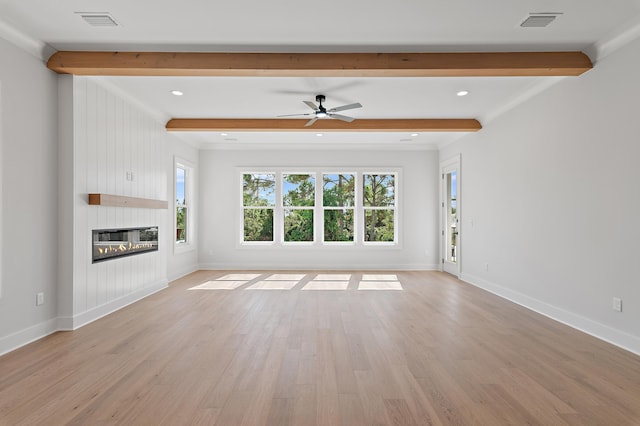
point(446, 166)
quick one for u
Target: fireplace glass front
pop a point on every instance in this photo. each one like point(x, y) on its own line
point(112, 243)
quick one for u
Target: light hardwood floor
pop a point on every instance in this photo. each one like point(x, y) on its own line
point(436, 352)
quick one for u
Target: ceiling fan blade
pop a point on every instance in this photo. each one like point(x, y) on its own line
point(345, 107)
point(342, 117)
point(311, 105)
point(310, 122)
point(292, 115)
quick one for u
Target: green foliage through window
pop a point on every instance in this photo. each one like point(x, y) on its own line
point(355, 207)
point(338, 200)
point(379, 198)
point(258, 199)
point(298, 225)
point(181, 204)
point(258, 224)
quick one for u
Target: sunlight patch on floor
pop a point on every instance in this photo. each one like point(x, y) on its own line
point(379, 282)
point(326, 285)
point(273, 285)
point(285, 277)
point(219, 285)
point(238, 277)
point(379, 277)
point(379, 285)
point(332, 277)
point(226, 282)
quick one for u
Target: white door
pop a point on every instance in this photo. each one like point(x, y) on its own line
point(450, 215)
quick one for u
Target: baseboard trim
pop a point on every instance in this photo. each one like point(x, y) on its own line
point(183, 273)
point(28, 335)
point(317, 267)
point(601, 331)
point(24, 337)
point(98, 312)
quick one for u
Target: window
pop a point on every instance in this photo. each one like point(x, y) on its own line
point(379, 199)
point(298, 201)
point(258, 201)
point(182, 207)
point(319, 207)
point(338, 196)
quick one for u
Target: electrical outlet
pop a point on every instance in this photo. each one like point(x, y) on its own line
point(617, 304)
point(486, 266)
point(39, 299)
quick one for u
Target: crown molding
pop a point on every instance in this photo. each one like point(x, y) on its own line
point(34, 47)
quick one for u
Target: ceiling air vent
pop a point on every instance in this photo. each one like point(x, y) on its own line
point(539, 20)
point(99, 19)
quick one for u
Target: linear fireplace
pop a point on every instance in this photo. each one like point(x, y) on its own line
point(112, 243)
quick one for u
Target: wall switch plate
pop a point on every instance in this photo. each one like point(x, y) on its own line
point(617, 304)
point(39, 299)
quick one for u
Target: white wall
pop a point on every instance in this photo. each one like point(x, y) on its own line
point(29, 197)
point(219, 212)
point(110, 138)
point(552, 189)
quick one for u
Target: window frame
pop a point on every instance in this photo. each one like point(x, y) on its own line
point(356, 219)
point(274, 207)
point(280, 177)
point(393, 208)
point(318, 217)
point(189, 181)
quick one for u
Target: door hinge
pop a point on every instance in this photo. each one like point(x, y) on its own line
point(443, 232)
point(443, 261)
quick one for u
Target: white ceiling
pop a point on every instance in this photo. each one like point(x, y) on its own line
point(328, 26)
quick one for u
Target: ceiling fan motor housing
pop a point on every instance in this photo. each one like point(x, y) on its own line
point(322, 111)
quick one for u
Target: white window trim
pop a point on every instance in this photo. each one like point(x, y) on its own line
point(319, 244)
point(396, 198)
point(356, 218)
point(279, 179)
point(189, 189)
point(240, 216)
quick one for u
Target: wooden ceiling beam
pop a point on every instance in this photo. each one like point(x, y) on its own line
point(475, 64)
point(297, 125)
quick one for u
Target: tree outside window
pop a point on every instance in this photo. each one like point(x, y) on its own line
point(379, 198)
point(258, 200)
point(181, 205)
point(338, 197)
point(298, 203)
point(342, 208)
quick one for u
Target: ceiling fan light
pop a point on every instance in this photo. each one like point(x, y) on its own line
point(321, 114)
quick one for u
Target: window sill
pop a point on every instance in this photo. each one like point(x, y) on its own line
point(182, 248)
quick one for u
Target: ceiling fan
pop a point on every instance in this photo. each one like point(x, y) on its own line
point(320, 111)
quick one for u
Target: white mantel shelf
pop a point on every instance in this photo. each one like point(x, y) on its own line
point(123, 201)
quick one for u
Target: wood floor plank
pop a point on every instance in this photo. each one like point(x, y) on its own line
point(436, 352)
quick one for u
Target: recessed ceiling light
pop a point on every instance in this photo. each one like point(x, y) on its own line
point(414, 134)
point(224, 134)
point(177, 93)
point(318, 134)
point(463, 93)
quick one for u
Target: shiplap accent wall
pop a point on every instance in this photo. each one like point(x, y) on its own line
point(111, 139)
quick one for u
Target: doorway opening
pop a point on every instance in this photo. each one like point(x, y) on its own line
point(450, 215)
